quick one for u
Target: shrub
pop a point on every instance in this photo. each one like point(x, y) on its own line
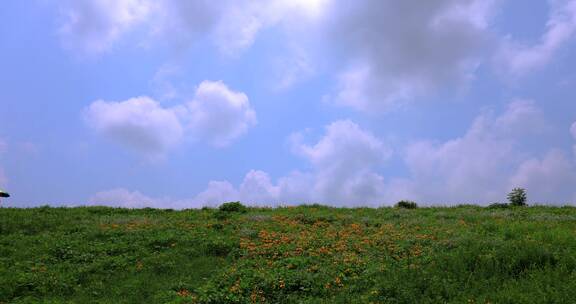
point(406, 205)
point(219, 247)
point(233, 207)
point(222, 215)
point(498, 206)
point(517, 197)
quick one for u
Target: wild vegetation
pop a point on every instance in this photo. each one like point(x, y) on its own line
point(306, 254)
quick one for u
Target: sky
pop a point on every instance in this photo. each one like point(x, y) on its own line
point(191, 103)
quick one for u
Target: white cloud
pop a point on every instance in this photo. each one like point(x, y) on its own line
point(294, 68)
point(258, 188)
point(475, 168)
point(521, 117)
point(346, 166)
point(345, 163)
point(391, 51)
point(162, 82)
point(400, 50)
point(120, 197)
point(517, 59)
point(218, 114)
point(468, 169)
point(217, 193)
point(479, 167)
point(550, 180)
point(140, 123)
point(94, 26)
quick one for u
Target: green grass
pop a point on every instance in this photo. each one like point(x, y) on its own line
point(308, 254)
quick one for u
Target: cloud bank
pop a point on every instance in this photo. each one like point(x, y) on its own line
point(516, 59)
point(138, 123)
point(216, 114)
point(384, 54)
point(401, 50)
point(348, 168)
point(96, 26)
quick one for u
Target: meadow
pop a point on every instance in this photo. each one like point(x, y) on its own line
point(305, 254)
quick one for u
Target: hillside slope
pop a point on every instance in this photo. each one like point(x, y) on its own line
point(307, 254)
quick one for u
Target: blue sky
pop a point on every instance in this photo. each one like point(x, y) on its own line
point(181, 104)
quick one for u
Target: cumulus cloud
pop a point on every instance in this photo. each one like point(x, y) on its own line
point(391, 51)
point(517, 59)
point(94, 26)
point(402, 49)
point(140, 123)
point(552, 178)
point(345, 163)
point(479, 167)
point(256, 188)
point(346, 166)
point(216, 193)
point(216, 114)
point(476, 167)
point(514, 121)
point(120, 197)
point(219, 115)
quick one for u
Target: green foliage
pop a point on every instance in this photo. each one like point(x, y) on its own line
point(227, 210)
point(233, 207)
point(308, 254)
point(517, 197)
point(406, 204)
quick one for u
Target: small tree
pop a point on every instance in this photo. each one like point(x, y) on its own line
point(517, 197)
point(406, 204)
point(233, 207)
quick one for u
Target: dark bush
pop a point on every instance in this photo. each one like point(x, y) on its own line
point(222, 215)
point(406, 205)
point(219, 247)
point(233, 207)
point(517, 197)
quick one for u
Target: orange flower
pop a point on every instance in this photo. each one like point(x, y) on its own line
point(338, 281)
point(184, 293)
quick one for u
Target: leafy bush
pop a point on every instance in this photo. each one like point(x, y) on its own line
point(219, 247)
point(406, 205)
point(233, 207)
point(222, 215)
point(517, 197)
point(498, 206)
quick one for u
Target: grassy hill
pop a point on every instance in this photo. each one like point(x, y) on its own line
point(308, 254)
